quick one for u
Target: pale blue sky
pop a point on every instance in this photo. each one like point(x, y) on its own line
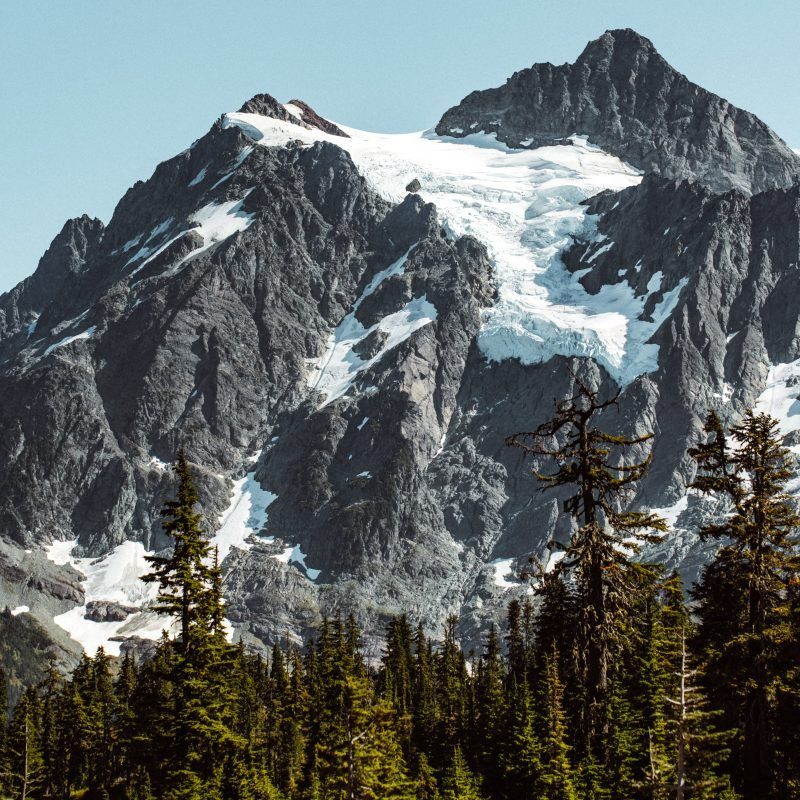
point(94, 93)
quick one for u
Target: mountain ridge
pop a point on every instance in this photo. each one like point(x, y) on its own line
point(342, 358)
point(628, 100)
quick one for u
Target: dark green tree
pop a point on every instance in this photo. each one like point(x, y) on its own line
point(186, 578)
point(599, 470)
point(743, 596)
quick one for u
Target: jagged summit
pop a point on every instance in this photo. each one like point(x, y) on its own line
point(627, 99)
point(295, 111)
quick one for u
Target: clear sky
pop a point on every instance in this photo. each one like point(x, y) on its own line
point(94, 93)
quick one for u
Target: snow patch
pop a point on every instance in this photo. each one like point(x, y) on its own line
point(781, 396)
point(336, 371)
point(246, 515)
point(215, 222)
point(199, 178)
point(503, 569)
point(294, 111)
point(115, 578)
point(87, 334)
point(525, 206)
point(15, 612)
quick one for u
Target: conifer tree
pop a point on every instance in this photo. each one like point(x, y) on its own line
point(425, 711)
point(451, 694)
point(490, 701)
point(458, 781)
point(556, 776)
point(186, 577)
point(591, 465)
point(24, 763)
point(359, 754)
point(521, 750)
point(743, 595)
point(3, 727)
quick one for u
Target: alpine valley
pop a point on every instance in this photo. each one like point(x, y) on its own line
point(340, 328)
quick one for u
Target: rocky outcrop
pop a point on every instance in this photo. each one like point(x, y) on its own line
point(295, 111)
point(628, 100)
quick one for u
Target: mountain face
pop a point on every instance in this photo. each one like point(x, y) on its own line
point(341, 328)
point(628, 100)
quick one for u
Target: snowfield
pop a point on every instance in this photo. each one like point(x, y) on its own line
point(114, 578)
point(525, 206)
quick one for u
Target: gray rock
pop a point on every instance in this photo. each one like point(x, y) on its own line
point(628, 100)
point(105, 611)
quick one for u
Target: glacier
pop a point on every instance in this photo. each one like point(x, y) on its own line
point(526, 206)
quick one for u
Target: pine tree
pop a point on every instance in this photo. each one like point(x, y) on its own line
point(746, 587)
point(590, 463)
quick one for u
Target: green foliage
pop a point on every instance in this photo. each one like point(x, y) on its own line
point(598, 470)
point(744, 598)
point(526, 719)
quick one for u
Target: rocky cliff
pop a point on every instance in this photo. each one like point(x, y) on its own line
point(342, 358)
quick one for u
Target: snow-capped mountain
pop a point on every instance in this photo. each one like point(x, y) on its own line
point(341, 327)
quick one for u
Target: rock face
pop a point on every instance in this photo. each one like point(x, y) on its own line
point(274, 301)
point(628, 100)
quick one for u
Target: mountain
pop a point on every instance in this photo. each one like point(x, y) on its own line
point(628, 100)
point(340, 328)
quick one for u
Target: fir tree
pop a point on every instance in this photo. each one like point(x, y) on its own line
point(521, 750)
point(746, 587)
point(24, 762)
point(590, 463)
point(458, 781)
point(556, 776)
point(3, 728)
point(185, 578)
point(359, 754)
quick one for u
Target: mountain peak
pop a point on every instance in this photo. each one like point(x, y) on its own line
point(626, 98)
point(297, 112)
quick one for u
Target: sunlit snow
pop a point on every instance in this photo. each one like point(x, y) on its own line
point(781, 397)
point(334, 373)
point(114, 578)
point(215, 222)
point(246, 515)
point(503, 570)
point(525, 206)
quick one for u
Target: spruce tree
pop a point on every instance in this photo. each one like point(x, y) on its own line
point(186, 577)
point(458, 781)
point(591, 464)
point(556, 779)
point(743, 597)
